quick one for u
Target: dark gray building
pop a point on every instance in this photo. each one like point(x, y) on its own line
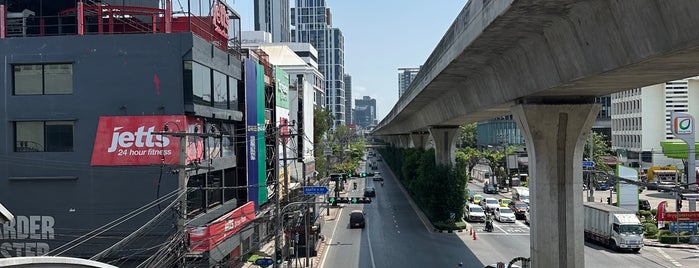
point(348, 99)
point(78, 153)
point(272, 16)
point(365, 112)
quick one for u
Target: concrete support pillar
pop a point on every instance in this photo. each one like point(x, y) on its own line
point(403, 141)
point(419, 139)
point(392, 140)
point(555, 137)
point(444, 143)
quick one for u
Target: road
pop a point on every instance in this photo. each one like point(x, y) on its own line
point(395, 236)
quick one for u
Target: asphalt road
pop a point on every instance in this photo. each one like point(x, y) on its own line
point(395, 236)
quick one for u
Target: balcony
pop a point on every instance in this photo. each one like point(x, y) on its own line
point(92, 18)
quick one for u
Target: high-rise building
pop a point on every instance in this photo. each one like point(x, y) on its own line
point(365, 112)
point(313, 24)
point(348, 99)
point(641, 120)
point(272, 16)
point(405, 77)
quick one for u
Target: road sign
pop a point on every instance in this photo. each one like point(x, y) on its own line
point(588, 164)
point(452, 215)
point(311, 190)
point(264, 262)
point(684, 226)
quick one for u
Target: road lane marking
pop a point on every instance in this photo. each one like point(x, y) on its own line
point(673, 261)
point(371, 250)
point(325, 255)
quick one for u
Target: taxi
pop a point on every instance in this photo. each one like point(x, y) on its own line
point(504, 202)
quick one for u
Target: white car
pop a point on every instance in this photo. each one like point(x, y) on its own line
point(503, 214)
point(527, 218)
point(474, 212)
point(489, 204)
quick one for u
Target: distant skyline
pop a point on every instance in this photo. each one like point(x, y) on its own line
point(380, 37)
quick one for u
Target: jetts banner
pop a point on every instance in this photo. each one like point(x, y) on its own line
point(128, 140)
point(205, 238)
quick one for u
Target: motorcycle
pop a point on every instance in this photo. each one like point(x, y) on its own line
point(354, 184)
point(381, 184)
point(488, 226)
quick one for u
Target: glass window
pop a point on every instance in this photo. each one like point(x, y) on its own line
point(50, 136)
point(232, 93)
point(220, 90)
point(38, 79)
point(201, 84)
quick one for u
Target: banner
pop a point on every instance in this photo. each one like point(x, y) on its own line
point(127, 140)
point(205, 238)
point(661, 214)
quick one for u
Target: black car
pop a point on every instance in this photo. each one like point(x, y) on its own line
point(643, 204)
point(357, 219)
point(369, 192)
point(489, 189)
point(377, 178)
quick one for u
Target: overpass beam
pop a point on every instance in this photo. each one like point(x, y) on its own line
point(419, 139)
point(444, 138)
point(403, 141)
point(555, 136)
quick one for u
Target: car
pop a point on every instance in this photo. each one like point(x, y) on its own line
point(369, 192)
point(643, 204)
point(527, 217)
point(489, 189)
point(476, 198)
point(602, 186)
point(377, 178)
point(519, 208)
point(357, 219)
point(504, 214)
point(489, 204)
point(495, 265)
point(504, 202)
point(474, 212)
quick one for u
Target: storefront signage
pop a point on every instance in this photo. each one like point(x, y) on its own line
point(205, 238)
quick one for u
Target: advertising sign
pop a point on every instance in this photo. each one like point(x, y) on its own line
point(127, 140)
point(251, 124)
point(627, 194)
point(205, 238)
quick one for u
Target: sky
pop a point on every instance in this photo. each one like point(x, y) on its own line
point(380, 37)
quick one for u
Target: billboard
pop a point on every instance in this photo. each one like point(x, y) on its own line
point(255, 132)
point(207, 237)
point(127, 140)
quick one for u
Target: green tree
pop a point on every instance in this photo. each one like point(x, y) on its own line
point(468, 135)
point(600, 148)
point(321, 124)
point(470, 156)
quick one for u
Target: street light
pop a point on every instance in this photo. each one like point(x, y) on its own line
point(5, 215)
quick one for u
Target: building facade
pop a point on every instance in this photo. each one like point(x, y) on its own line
point(365, 112)
point(272, 16)
point(405, 77)
point(125, 114)
point(641, 120)
point(348, 99)
point(313, 24)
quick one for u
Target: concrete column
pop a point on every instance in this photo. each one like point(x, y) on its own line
point(403, 141)
point(444, 143)
point(419, 139)
point(555, 137)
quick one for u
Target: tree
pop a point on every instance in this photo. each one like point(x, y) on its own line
point(468, 135)
point(470, 156)
point(600, 148)
point(321, 124)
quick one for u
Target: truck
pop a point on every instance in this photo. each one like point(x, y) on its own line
point(616, 227)
point(666, 176)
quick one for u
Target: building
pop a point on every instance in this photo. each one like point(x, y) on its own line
point(405, 77)
point(272, 16)
point(313, 24)
point(348, 99)
point(365, 112)
point(113, 118)
point(641, 120)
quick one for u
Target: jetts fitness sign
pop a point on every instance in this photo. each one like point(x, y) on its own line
point(127, 140)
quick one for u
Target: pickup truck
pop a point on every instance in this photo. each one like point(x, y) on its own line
point(616, 227)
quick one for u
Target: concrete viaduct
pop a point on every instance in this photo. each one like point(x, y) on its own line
point(544, 61)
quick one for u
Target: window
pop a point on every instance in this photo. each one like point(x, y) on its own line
point(201, 84)
point(220, 90)
point(40, 79)
point(40, 136)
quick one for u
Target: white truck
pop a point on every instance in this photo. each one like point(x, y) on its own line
point(614, 226)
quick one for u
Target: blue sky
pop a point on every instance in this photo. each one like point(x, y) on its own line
point(380, 37)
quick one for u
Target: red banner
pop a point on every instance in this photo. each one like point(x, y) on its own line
point(205, 238)
point(127, 140)
point(661, 211)
point(684, 216)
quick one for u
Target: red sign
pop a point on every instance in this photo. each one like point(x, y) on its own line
point(127, 140)
point(684, 216)
point(220, 19)
point(205, 238)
